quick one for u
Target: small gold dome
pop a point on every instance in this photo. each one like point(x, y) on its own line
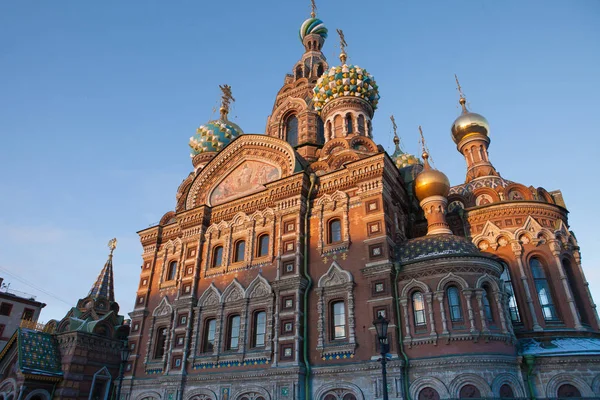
point(431, 182)
point(469, 123)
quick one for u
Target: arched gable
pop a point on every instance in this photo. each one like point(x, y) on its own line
point(428, 381)
point(414, 284)
point(514, 382)
point(567, 378)
point(245, 166)
point(334, 276)
point(259, 287)
point(452, 278)
point(210, 297)
point(486, 278)
point(164, 308)
point(233, 292)
point(470, 379)
point(350, 387)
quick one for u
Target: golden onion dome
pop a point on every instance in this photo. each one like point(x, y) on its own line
point(469, 123)
point(431, 182)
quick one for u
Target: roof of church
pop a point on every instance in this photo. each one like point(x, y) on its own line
point(104, 285)
point(560, 346)
point(435, 246)
point(38, 353)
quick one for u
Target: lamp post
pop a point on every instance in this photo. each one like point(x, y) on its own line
point(381, 326)
point(124, 357)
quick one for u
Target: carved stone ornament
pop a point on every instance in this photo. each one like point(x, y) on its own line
point(335, 276)
point(163, 309)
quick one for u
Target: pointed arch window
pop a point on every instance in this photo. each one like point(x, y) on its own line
point(234, 333)
point(260, 328)
point(172, 271)
point(349, 127)
point(210, 327)
point(513, 307)
point(263, 245)
point(291, 130)
point(418, 309)
point(543, 290)
point(454, 304)
point(334, 231)
point(240, 249)
point(161, 340)
point(217, 259)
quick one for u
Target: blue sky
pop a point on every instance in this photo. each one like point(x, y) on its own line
point(98, 101)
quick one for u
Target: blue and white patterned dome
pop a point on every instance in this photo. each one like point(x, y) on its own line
point(214, 136)
point(313, 26)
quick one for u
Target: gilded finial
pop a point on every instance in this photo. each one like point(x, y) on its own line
point(226, 99)
point(112, 245)
point(313, 7)
point(463, 99)
point(424, 148)
point(343, 44)
point(395, 127)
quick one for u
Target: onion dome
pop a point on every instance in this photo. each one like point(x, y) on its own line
point(435, 246)
point(468, 123)
point(313, 26)
point(431, 182)
point(345, 81)
point(213, 136)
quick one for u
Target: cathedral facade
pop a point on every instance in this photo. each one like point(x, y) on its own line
point(283, 248)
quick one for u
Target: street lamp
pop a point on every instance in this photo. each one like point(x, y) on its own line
point(381, 326)
point(124, 357)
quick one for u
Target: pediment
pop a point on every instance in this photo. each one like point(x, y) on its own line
point(244, 167)
point(163, 309)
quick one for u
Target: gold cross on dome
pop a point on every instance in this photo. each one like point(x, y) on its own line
point(313, 6)
point(112, 245)
point(460, 92)
point(343, 45)
point(394, 125)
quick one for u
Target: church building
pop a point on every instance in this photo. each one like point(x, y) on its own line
point(282, 249)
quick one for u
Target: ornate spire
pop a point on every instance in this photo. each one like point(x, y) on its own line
point(463, 99)
point(343, 44)
point(425, 150)
point(313, 7)
point(396, 138)
point(104, 285)
point(226, 99)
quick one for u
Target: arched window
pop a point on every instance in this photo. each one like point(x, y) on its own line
point(338, 322)
point(161, 340)
point(338, 127)
point(418, 309)
point(240, 249)
point(299, 71)
point(320, 131)
point(429, 393)
point(329, 130)
point(567, 266)
point(543, 290)
point(349, 127)
point(291, 130)
point(217, 259)
point(506, 392)
point(234, 333)
point(210, 327)
point(567, 391)
point(469, 392)
point(334, 234)
point(263, 245)
point(513, 307)
point(172, 271)
point(361, 124)
point(487, 307)
point(454, 304)
point(320, 70)
point(260, 328)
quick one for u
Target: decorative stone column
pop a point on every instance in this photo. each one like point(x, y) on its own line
point(555, 248)
point(479, 296)
point(467, 295)
point(429, 300)
point(518, 252)
point(440, 298)
point(404, 304)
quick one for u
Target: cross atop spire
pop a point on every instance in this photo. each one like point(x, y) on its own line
point(313, 7)
point(226, 99)
point(104, 285)
point(395, 127)
point(463, 99)
point(424, 147)
point(343, 44)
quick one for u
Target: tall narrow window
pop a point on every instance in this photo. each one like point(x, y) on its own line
point(240, 249)
point(349, 128)
point(487, 307)
point(172, 271)
point(418, 309)
point(320, 131)
point(361, 124)
point(543, 290)
point(454, 304)
point(234, 332)
point(291, 130)
point(210, 326)
point(320, 70)
point(513, 307)
point(263, 246)
point(567, 266)
point(217, 259)
point(161, 340)
point(260, 328)
point(338, 311)
point(335, 231)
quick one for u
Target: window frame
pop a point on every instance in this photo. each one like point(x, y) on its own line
point(454, 308)
point(333, 320)
point(422, 312)
point(236, 251)
point(288, 118)
point(230, 331)
point(160, 336)
point(259, 247)
point(9, 307)
point(330, 238)
point(488, 309)
point(509, 289)
point(541, 283)
point(256, 332)
point(206, 335)
point(171, 271)
point(213, 258)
